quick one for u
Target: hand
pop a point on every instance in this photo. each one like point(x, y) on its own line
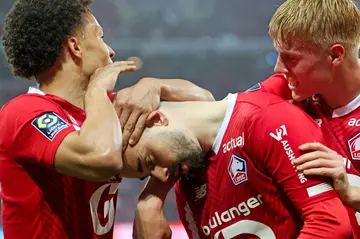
point(133, 105)
point(150, 221)
point(322, 161)
point(106, 76)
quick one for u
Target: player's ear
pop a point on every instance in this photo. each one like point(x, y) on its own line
point(157, 118)
point(336, 54)
point(73, 45)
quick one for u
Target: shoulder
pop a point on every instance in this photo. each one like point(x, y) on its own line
point(275, 84)
point(26, 108)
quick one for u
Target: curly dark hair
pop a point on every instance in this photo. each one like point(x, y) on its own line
point(34, 31)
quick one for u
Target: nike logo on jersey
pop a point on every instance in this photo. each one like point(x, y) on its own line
point(354, 122)
point(234, 143)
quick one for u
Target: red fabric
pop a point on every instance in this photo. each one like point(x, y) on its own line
point(38, 202)
point(250, 185)
point(326, 219)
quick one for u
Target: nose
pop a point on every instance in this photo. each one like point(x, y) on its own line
point(111, 52)
point(160, 173)
point(280, 67)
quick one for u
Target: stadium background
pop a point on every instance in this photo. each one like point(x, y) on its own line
point(220, 45)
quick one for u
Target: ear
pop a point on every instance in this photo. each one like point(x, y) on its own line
point(73, 45)
point(156, 118)
point(336, 54)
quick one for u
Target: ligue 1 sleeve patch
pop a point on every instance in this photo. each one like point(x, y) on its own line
point(254, 88)
point(49, 124)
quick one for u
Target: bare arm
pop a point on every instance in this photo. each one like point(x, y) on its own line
point(183, 90)
point(94, 152)
point(150, 221)
point(134, 104)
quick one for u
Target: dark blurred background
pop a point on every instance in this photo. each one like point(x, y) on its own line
point(221, 45)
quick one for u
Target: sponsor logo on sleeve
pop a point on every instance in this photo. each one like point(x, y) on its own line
point(49, 125)
point(280, 135)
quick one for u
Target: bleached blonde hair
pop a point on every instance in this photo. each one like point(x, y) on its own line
point(319, 22)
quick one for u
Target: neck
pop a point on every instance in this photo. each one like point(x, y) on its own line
point(67, 83)
point(344, 88)
point(202, 119)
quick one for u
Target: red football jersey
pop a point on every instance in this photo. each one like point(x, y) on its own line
point(251, 188)
point(38, 202)
point(340, 127)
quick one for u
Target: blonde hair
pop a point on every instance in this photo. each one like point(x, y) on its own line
point(319, 22)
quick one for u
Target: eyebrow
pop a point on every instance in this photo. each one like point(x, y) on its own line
point(139, 166)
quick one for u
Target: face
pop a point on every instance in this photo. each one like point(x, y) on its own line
point(95, 52)
point(163, 151)
point(308, 71)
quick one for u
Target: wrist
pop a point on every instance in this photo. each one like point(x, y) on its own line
point(150, 203)
point(349, 196)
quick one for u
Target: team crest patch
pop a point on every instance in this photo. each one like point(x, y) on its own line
point(354, 147)
point(254, 88)
point(49, 124)
point(237, 170)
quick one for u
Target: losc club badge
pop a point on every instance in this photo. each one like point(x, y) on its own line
point(49, 124)
point(354, 147)
point(237, 170)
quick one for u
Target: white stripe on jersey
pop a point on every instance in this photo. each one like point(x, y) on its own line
point(318, 189)
point(192, 224)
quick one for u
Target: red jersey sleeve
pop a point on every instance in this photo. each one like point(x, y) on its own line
point(35, 127)
point(185, 214)
point(277, 132)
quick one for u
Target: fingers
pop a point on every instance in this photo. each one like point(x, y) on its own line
point(129, 127)
point(319, 163)
point(123, 66)
point(310, 156)
point(326, 172)
point(139, 128)
point(314, 146)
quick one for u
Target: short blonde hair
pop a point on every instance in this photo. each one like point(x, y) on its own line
point(320, 22)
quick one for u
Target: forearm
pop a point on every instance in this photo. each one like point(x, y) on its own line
point(150, 221)
point(180, 90)
point(102, 127)
point(353, 199)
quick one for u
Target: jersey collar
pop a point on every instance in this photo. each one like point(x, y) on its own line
point(347, 109)
point(231, 98)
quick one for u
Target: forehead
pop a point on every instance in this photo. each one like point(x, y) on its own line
point(91, 23)
point(295, 48)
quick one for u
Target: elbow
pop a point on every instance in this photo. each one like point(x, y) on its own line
point(203, 95)
point(105, 166)
point(207, 96)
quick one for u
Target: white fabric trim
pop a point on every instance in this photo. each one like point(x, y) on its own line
point(231, 98)
point(34, 90)
point(347, 109)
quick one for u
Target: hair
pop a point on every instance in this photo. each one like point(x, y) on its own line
point(320, 22)
point(184, 149)
point(34, 31)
